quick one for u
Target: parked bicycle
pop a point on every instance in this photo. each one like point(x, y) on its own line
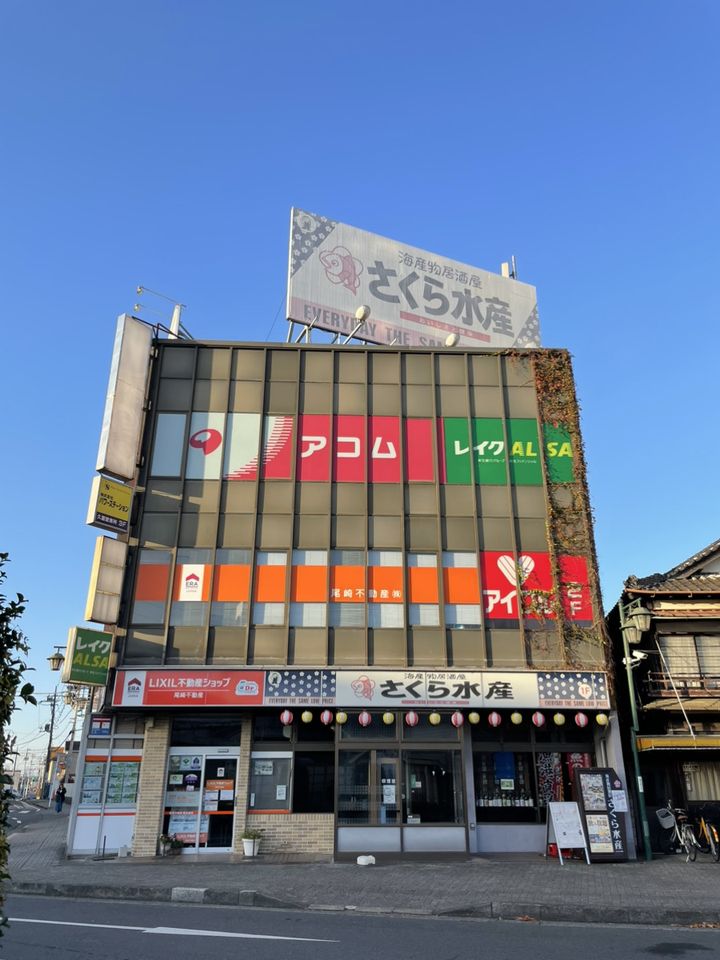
point(679, 831)
point(708, 837)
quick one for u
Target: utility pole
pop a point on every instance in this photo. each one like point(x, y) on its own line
point(52, 700)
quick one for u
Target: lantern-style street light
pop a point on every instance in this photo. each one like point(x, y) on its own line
point(634, 621)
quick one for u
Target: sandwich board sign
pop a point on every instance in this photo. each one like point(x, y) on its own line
point(564, 828)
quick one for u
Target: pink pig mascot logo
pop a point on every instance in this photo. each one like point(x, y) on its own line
point(342, 267)
point(363, 687)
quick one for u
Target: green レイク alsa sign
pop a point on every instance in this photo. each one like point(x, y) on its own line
point(458, 467)
point(489, 449)
point(558, 454)
point(479, 450)
point(525, 466)
point(88, 656)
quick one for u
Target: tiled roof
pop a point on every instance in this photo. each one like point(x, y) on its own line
point(694, 560)
point(674, 582)
point(707, 584)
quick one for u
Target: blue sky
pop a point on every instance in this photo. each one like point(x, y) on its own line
point(164, 143)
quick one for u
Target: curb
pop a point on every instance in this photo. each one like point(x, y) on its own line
point(494, 910)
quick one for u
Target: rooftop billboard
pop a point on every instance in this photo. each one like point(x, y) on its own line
point(416, 298)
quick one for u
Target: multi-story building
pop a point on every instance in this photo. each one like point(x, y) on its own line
point(674, 678)
point(359, 609)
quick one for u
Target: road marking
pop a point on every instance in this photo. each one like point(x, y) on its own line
point(173, 931)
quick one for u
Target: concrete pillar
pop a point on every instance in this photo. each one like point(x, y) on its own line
point(151, 788)
point(243, 782)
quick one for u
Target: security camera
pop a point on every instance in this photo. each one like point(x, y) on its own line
point(635, 658)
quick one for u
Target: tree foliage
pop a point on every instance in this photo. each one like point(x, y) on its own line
point(13, 649)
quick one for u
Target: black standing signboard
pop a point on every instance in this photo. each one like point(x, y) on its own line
point(603, 804)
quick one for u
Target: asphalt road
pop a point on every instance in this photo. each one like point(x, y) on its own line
point(21, 814)
point(56, 929)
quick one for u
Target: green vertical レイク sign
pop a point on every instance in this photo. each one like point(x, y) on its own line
point(525, 466)
point(89, 653)
point(559, 460)
point(489, 451)
point(458, 468)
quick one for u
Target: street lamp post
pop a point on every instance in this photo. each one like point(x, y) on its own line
point(634, 621)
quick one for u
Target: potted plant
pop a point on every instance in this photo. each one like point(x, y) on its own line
point(169, 845)
point(251, 841)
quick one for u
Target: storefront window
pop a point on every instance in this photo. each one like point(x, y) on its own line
point(386, 787)
point(197, 731)
point(505, 786)
point(515, 780)
point(270, 782)
point(313, 782)
point(433, 786)
point(122, 783)
point(92, 782)
point(268, 729)
point(425, 730)
point(354, 787)
point(376, 729)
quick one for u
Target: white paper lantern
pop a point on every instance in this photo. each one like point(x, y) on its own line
point(306, 716)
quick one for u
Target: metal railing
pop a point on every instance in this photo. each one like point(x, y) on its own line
point(660, 684)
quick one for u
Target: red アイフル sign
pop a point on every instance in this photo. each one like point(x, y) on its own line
point(575, 589)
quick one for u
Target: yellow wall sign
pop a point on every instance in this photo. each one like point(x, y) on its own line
point(110, 503)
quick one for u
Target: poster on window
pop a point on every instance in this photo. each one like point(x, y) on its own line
point(575, 589)
point(384, 464)
point(277, 448)
point(166, 460)
point(313, 452)
point(183, 826)
point(419, 444)
point(205, 446)
point(241, 446)
point(349, 449)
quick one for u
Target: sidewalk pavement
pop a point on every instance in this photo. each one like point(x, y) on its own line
point(666, 891)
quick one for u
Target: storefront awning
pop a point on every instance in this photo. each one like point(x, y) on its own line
point(679, 742)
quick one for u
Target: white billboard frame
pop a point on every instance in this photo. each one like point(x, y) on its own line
point(415, 298)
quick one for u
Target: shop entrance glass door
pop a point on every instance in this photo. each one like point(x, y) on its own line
point(369, 787)
point(218, 804)
point(200, 799)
